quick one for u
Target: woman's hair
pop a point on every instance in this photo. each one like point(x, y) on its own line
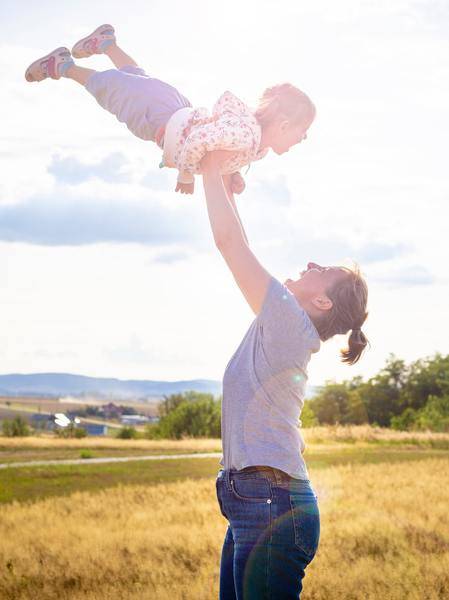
point(349, 296)
point(287, 101)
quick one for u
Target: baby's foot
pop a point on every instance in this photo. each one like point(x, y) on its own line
point(95, 43)
point(52, 65)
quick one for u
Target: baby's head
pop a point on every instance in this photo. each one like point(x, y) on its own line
point(285, 114)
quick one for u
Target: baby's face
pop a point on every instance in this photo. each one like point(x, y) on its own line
point(288, 135)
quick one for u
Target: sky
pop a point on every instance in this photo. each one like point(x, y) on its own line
point(105, 271)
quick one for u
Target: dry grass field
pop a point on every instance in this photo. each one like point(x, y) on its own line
point(52, 448)
point(320, 441)
point(366, 434)
point(108, 443)
point(356, 434)
point(385, 535)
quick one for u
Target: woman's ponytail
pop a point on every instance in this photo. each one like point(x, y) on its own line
point(357, 342)
point(349, 296)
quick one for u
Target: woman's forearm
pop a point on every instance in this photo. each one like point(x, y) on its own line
point(227, 180)
point(234, 205)
point(223, 217)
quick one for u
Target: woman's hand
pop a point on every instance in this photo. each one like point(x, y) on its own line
point(212, 161)
point(185, 188)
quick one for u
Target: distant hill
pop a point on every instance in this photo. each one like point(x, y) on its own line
point(64, 384)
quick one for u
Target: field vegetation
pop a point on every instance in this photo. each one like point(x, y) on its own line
point(341, 440)
point(385, 534)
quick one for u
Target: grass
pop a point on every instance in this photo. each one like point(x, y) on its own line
point(51, 448)
point(385, 534)
point(36, 482)
point(108, 443)
point(367, 434)
point(362, 438)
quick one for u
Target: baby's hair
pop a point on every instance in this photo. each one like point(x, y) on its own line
point(284, 100)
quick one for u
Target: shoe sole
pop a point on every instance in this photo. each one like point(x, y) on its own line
point(78, 51)
point(36, 64)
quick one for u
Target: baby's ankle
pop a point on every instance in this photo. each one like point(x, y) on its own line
point(107, 46)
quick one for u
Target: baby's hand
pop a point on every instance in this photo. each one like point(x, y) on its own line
point(237, 183)
point(185, 188)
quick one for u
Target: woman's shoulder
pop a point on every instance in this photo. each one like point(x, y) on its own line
point(283, 314)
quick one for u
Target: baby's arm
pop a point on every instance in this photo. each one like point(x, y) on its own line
point(185, 188)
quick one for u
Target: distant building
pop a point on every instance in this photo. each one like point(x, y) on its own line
point(112, 411)
point(134, 419)
point(94, 429)
point(42, 421)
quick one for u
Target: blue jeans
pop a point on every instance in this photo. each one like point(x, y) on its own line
point(273, 533)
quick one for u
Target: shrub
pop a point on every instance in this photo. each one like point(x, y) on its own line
point(433, 416)
point(127, 433)
point(152, 432)
point(86, 453)
point(16, 427)
point(405, 421)
point(71, 431)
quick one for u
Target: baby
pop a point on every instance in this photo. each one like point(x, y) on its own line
point(154, 110)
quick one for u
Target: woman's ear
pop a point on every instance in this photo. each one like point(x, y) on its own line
point(322, 302)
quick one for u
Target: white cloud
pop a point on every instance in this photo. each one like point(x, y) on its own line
point(369, 183)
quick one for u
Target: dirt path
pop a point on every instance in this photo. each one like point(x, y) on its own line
point(88, 461)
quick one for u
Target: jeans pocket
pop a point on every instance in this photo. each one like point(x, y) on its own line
point(218, 483)
point(306, 522)
point(251, 490)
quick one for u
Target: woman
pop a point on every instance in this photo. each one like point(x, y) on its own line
point(264, 489)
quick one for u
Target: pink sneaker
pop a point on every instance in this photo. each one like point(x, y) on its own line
point(52, 65)
point(95, 43)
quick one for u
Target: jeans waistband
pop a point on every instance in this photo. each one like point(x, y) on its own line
point(272, 473)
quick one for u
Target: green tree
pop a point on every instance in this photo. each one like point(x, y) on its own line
point(434, 416)
point(170, 403)
point(308, 417)
point(382, 394)
point(330, 404)
point(356, 412)
point(200, 417)
point(426, 377)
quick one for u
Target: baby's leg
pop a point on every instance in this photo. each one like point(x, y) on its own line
point(79, 74)
point(119, 58)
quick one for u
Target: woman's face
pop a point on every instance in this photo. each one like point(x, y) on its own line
point(314, 281)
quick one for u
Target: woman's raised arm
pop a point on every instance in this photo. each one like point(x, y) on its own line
point(229, 236)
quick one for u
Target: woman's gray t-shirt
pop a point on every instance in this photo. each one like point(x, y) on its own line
point(264, 385)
